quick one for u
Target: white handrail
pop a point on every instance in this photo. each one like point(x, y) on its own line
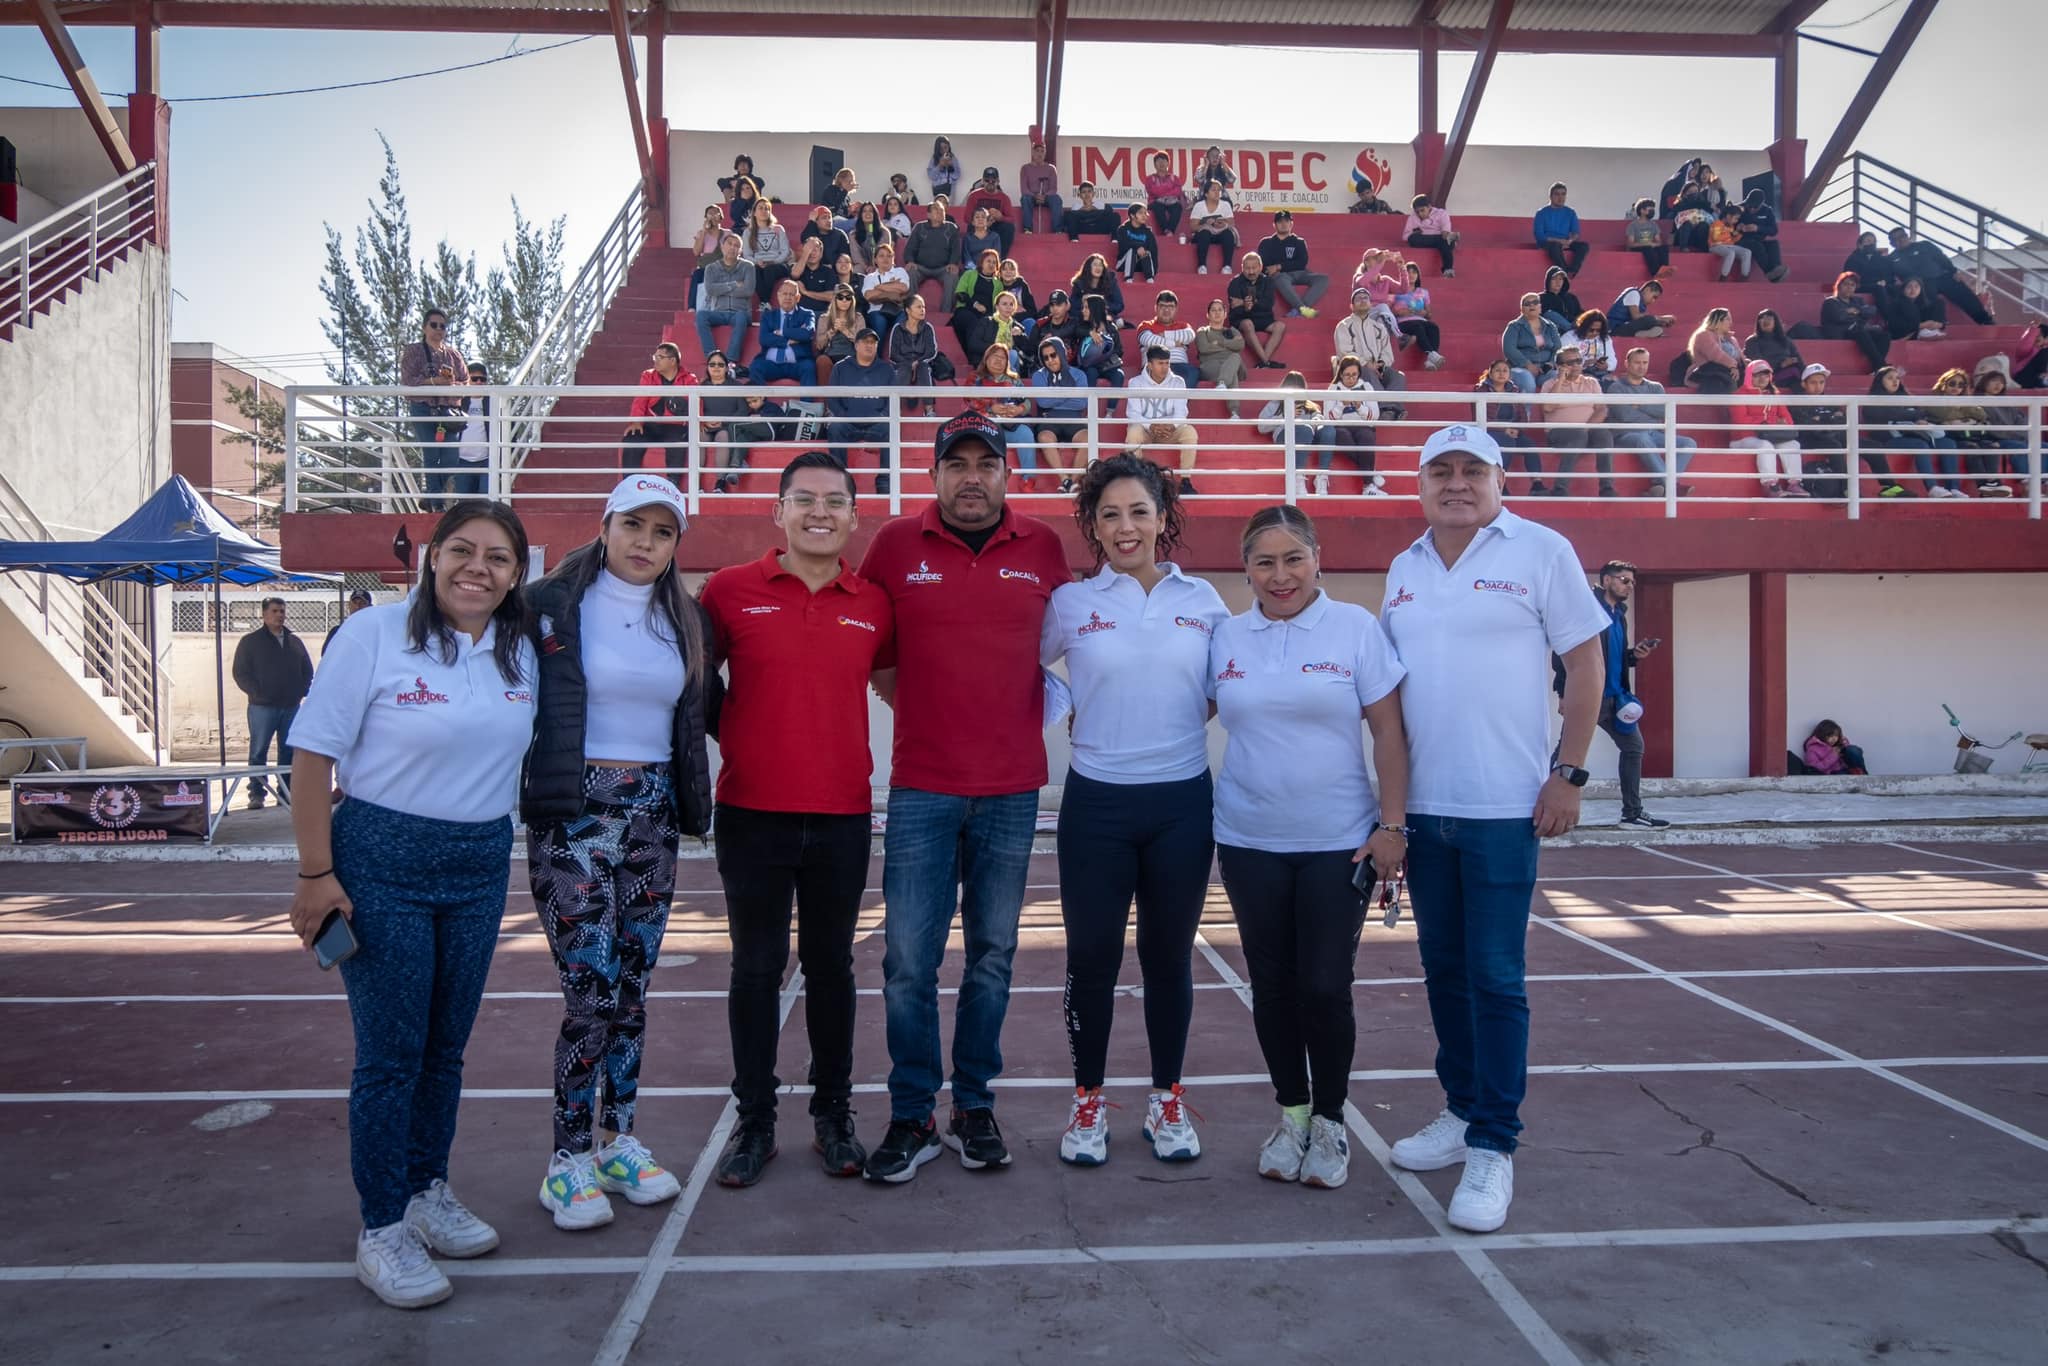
point(75, 243)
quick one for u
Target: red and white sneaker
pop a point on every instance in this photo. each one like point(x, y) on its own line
point(1086, 1140)
point(1170, 1126)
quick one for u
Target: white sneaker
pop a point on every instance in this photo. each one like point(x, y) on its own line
point(1226, 270)
point(1169, 1129)
point(1328, 1163)
point(1286, 1146)
point(1376, 487)
point(1086, 1140)
point(1439, 1144)
point(1322, 486)
point(446, 1225)
point(392, 1263)
point(1433, 361)
point(625, 1167)
point(1201, 270)
point(570, 1193)
point(1480, 1204)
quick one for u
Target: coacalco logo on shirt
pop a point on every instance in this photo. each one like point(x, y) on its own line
point(1508, 586)
point(1095, 623)
point(924, 574)
point(1327, 666)
point(1023, 574)
point(856, 621)
point(1230, 671)
point(518, 695)
point(420, 696)
point(1193, 624)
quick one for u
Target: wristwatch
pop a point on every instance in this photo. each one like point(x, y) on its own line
point(1575, 776)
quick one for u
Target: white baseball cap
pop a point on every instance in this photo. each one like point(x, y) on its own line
point(637, 491)
point(1463, 439)
point(1814, 369)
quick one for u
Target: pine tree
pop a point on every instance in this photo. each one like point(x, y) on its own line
point(521, 297)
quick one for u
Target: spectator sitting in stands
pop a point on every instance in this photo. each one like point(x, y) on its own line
point(1911, 314)
point(1059, 395)
point(1219, 350)
point(1012, 330)
point(886, 289)
point(728, 298)
point(1931, 265)
point(1630, 316)
point(2000, 433)
point(1906, 430)
point(1251, 311)
point(815, 280)
point(765, 242)
point(705, 246)
point(1674, 189)
point(742, 167)
point(1871, 265)
point(1095, 277)
point(2030, 357)
point(913, 348)
point(1556, 228)
point(745, 192)
point(1506, 421)
point(1087, 216)
point(1159, 414)
point(1166, 328)
point(858, 403)
point(1286, 258)
point(1645, 235)
point(933, 252)
point(842, 196)
point(896, 217)
point(868, 234)
point(1596, 348)
point(1304, 419)
point(764, 420)
point(988, 194)
point(1637, 419)
point(1010, 411)
point(1135, 247)
point(1573, 416)
point(847, 276)
point(1561, 307)
point(1013, 280)
point(980, 236)
point(1964, 424)
point(1369, 201)
point(830, 236)
point(1411, 315)
point(838, 328)
point(1724, 240)
point(974, 304)
point(899, 186)
point(1365, 334)
point(646, 427)
point(1038, 187)
point(1213, 171)
point(1770, 342)
point(1429, 225)
point(1844, 317)
point(1166, 195)
point(1061, 319)
point(714, 429)
point(786, 333)
point(1771, 434)
point(1715, 356)
point(1759, 229)
point(942, 173)
point(1829, 752)
point(1351, 418)
point(1382, 274)
point(1212, 220)
point(1530, 344)
point(1101, 358)
point(1823, 433)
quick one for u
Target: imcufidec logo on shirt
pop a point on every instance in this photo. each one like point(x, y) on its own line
point(1230, 671)
point(1095, 623)
point(856, 621)
point(1508, 586)
point(924, 574)
point(1193, 624)
point(1401, 595)
point(422, 696)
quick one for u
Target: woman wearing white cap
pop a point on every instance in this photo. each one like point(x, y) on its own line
point(617, 775)
point(423, 709)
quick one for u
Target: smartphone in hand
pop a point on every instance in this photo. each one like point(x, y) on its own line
point(336, 941)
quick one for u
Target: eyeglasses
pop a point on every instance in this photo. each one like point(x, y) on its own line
point(475, 378)
point(809, 502)
point(714, 365)
point(1570, 362)
point(436, 327)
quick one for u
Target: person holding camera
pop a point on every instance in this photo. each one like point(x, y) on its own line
point(1619, 709)
point(433, 362)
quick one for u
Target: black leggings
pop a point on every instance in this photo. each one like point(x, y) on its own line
point(1166, 215)
point(1427, 334)
point(1299, 919)
point(1655, 258)
point(1225, 242)
point(1116, 841)
point(1446, 254)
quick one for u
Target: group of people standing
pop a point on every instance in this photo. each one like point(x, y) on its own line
point(583, 703)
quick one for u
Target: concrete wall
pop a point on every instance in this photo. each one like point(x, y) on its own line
point(56, 151)
point(1710, 669)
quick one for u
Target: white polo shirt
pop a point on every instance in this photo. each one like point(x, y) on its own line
point(1476, 639)
point(409, 731)
point(1137, 664)
point(1294, 778)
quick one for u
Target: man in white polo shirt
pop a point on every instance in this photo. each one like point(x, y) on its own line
point(1475, 608)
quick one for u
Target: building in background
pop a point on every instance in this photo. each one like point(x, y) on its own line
point(213, 443)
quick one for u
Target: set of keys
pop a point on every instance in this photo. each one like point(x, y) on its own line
point(1390, 889)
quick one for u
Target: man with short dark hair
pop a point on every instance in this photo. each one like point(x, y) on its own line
point(1168, 329)
point(1619, 709)
point(433, 362)
point(273, 668)
point(963, 796)
point(858, 402)
point(786, 335)
point(987, 193)
point(1557, 231)
point(933, 251)
point(1914, 259)
point(357, 601)
point(1632, 404)
point(728, 299)
point(1158, 413)
point(1087, 216)
point(1286, 259)
point(1038, 186)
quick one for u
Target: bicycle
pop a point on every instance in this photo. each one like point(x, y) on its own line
point(15, 759)
point(1974, 755)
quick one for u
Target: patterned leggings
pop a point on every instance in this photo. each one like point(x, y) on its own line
point(602, 884)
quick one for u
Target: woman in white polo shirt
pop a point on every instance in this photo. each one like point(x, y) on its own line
point(1135, 813)
point(423, 710)
point(1295, 814)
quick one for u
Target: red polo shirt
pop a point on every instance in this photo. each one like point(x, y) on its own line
point(793, 734)
point(970, 703)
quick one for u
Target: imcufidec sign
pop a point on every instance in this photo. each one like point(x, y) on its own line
point(1310, 176)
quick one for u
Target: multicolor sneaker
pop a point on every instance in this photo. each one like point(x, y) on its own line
point(1327, 1164)
point(625, 1167)
point(1280, 1159)
point(392, 1263)
point(973, 1134)
point(1168, 1127)
point(570, 1192)
point(1086, 1140)
point(446, 1225)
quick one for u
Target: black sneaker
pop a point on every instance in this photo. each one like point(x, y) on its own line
point(1187, 486)
point(747, 1154)
point(908, 1145)
point(1644, 821)
point(973, 1134)
point(881, 483)
point(837, 1143)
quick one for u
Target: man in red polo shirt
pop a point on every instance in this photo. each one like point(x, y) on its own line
point(970, 581)
point(799, 634)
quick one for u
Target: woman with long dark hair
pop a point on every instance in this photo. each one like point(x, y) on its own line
point(1135, 817)
point(423, 710)
point(617, 775)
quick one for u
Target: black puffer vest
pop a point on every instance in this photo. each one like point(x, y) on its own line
point(552, 790)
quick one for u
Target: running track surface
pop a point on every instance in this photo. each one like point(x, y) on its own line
point(1788, 1105)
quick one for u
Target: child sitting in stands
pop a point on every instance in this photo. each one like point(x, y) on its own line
point(1828, 751)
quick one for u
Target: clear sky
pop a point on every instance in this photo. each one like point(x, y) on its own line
point(253, 180)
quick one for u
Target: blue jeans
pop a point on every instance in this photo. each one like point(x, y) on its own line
point(848, 434)
point(735, 318)
point(1027, 209)
point(1525, 379)
point(1471, 881)
point(266, 724)
point(804, 372)
point(1649, 448)
point(1021, 441)
point(940, 851)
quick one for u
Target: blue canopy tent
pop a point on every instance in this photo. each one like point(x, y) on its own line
point(176, 537)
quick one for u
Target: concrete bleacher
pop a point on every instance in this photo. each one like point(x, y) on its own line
point(1497, 263)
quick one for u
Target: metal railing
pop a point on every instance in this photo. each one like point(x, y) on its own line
point(1877, 196)
point(74, 244)
point(81, 616)
point(1227, 459)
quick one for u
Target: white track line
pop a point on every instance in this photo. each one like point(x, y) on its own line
point(2001, 868)
point(1541, 1337)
